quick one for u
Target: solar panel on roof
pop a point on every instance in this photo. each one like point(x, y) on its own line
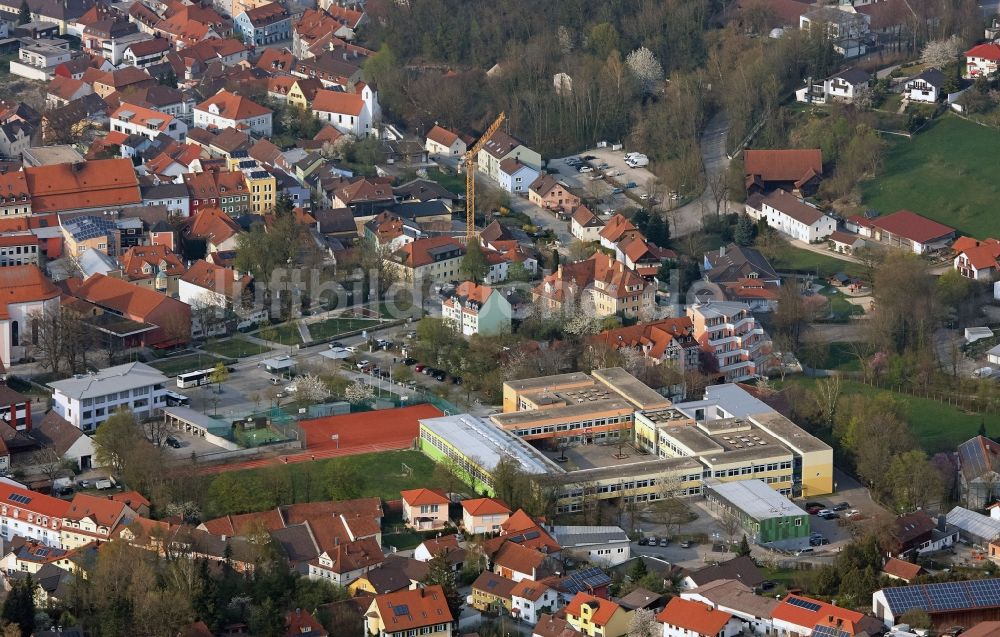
point(948, 596)
point(530, 535)
point(804, 603)
point(829, 631)
point(42, 552)
point(401, 609)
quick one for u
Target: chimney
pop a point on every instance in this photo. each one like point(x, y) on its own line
point(722, 251)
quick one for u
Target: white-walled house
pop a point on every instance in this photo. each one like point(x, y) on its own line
point(982, 60)
point(845, 86)
point(441, 141)
point(30, 514)
point(975, 259)
point(736, 598)
point(425, 509)
point(229, 110)
point(25, 292)
point(477, 309)
point(515, 177)
point(137, 120)
point(350, 113)
point(686, 618)
point(925, 87)
point(789, 214)
point(87, 400)
point(585, 225)
point(529, 599)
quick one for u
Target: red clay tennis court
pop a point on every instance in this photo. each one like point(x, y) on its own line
point(381, 430)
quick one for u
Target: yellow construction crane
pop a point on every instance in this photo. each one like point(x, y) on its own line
point(470, 177)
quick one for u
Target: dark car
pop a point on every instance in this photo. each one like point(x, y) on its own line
point(173, 442)
point(456, 380)
point(644, 541)
point(440, 376)
point(589, 157)
point(336, 344)
point(631, 184)
point(830, 516)
point(843, 506)
point(767, 585)
point(409, 361)
point(810, 505)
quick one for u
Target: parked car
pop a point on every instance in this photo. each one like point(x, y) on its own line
point(419, 367)
point(363, 364)
point(664, 542)
point(440, 376)
point(586, 169)
point(456, 380)
point(830, 515)
point(173, 442)
point(767, 585)
point(644, 541)
point(843, 506)
point(653, 541)
point(686, 544)
point(813, 510)
point(336, 344)
point(631, 184)
point(616, 191)
point(823, 512)
point(806, 550)
point(352, 349)
point(815, 504)
point(589, 157)
point(603, 165)
point(409, 361)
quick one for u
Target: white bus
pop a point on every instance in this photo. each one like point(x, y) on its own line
point(193, 379)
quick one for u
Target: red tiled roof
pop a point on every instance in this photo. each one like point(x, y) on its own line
point(13, 185)
point(102, 511)
point(93, 184)
point(213, 225)
point(64, 87)
point(216, 278)
point(982, 255)
point(300, 622)
point(132, 499)
point(617, 226)
point(146, 117)
point(338, 102)
point(442, 136)
point(518, 558)
point(657, 335)
point(416, 497)
point(700, 618)
point(584, 217)
point(123, 297)
point(603, 609)
point(782, 165)
point(24, 284)
point(136, 257)
point(988, 51)
point(232, 106)
point(408, 610)
point(912, 226)
point(800, 616)
point(418, 253)
point(529, 589)
point(37, 503)
point(494, 584)
point(901, 569)
point(485, 506)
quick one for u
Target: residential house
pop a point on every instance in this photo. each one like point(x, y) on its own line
point(29, 556)
point(686, 618)
point(668, 340)
point(15, 138)
point(97, 185)
point(740, 569)
point(153, 266)
point(552, 626)
point(847, 30)
point(974, 259)
point(601, 284)
point(797, 614)
point(334, 70)
point(730, 336)
point(25, 292)
point(424, 190)
point(605, 545)
point(483, 515)
point(301, 623)
point(596, 617)
point(432, 258)
point(225, 110)
point(981, 60)
point(503, 147)
point(216, 291)
point(905, 230)
point(395, 574)
point(425, 509)
point(30, 514)
point(531, 599)
point(617, 229)
point(88, 401)
point(550, 193)
point(365, 197)
point(63, 90)
point(797, 171)
point(15, 409)
point(15, 200)
point(477, 309)
point(92, 519)
point(105, 83)
point(443, 142)
point(845, 86)
point(446, 545)
point(925, 87)
point(585, 225)
point(38, 59)
point(734, 263)
point(845, 242)
point(514, 176)
point(978, 471)
point(109, 37)
point(794, 217)
point(423, 611)
point(264, 24)
point(66, 441)
point(218, 190)
point(350, 113)
point(519, 562)
point(174, 197)
point(969, 601)
point(166, 321)
point(146, 53)
point(897, 569)
point(492, 593)
point(91, 233)
point(136, 120)
point(737, 599)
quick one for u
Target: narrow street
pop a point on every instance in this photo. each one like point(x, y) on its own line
point(688, 218)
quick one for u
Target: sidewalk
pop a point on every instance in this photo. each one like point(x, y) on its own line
point(822, 250)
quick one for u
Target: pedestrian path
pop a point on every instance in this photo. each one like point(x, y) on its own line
point(304, 332)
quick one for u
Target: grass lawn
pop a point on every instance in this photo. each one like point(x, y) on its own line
point(403, 540)
point(454, 183)
point(940, 173)
point(236, 347)
point(839, 303)
point(937, 426)
point(286, 334)
point(184, 364)
point(257, 437)
point(806, 261)
point(334, 326)
point(841, 356)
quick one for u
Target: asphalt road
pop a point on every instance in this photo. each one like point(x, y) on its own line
point(688, 218)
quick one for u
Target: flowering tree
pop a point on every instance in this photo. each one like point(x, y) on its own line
point(311, 388)
point(646, 68)
point(360, 394)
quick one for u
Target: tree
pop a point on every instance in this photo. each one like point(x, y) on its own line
point(791, 317)
point(346, 482)
point(311, 388)
point(916, 618)
point(743, 548)
point(729, 522)
point(517, 273)
point(745, 230)
point(643, 623)
point(914, 482)
point(19, 607)
point(646, 68)
point(24, 14)
point(439, 573)
point(658, 231)
point(603, 39)
point(474, 265)
point(116, 439)
point(220, 374)
point(826, 396)
point(941, 53)
point(359, 393)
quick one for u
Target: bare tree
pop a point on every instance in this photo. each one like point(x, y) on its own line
point(827, 395)
point(669, 508)
point(730, 524)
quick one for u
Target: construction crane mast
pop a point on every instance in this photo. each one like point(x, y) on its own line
point(470, 177)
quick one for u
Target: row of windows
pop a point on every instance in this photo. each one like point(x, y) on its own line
point(426, 630)
point(573, 426)
point(125, 395)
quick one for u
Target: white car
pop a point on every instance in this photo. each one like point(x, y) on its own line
point(586, 169)
point(352, 349)
point(363, 364)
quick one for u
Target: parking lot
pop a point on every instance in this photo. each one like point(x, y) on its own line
point(600, 183)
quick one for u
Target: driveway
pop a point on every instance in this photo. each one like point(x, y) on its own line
point(688, 218)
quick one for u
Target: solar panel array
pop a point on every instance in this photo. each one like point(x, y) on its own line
point(804, 603)
point(586, 580)
point(20, 499)
point(400, 609)
point(948, 596)
point(829, 631)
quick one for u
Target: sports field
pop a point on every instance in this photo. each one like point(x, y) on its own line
point(368, 431)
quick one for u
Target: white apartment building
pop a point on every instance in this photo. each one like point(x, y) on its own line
point(30, 514)
point(794, 217)
point(86, 400)
point(137, 120)
point(477, 309)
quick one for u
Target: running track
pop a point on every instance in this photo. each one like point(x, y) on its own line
point(300, 456)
